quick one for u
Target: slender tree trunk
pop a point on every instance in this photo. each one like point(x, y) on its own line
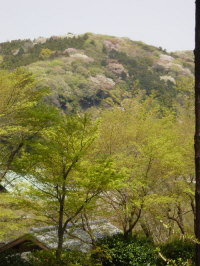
point(131, 223)
point(60, 233)
point(180, 219)
point(59, 247)
point(10, 160)
point(197, 129)
point(146, 229)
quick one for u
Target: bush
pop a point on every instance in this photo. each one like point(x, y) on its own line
point(180, 251)
point(12, 259)
point(118, 251)
point(69, 258)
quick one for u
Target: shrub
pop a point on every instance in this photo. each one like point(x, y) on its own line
point(69, 258)
point(45, 53)
point(11, 258)
point(180, 251)
point(118, 251)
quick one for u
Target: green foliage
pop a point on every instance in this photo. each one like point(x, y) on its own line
point(8, 47)
point(22, 113)
point(63, 172)
point(12, 259)
point(23, 117)
point(145, 141)
point(118, 251)
point(45, 53)
point(33, 53)
point(16, 91)
point(150, 82)
point(13, 219)
point(141, 62)
point(68, 257)
point(179, 252)
point(142, 160)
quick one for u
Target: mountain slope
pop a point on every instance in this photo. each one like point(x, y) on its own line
point(96, 70)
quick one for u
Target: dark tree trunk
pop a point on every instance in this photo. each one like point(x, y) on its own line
point(197, 129)
point(131, 223)
point(60, 232)
point(59, 247)
point(180, 216)
point(11, 158)
point(146, 229)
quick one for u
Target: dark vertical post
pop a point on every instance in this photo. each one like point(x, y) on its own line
point(197, 129)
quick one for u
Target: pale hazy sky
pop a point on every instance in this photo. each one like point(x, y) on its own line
point(166, 23)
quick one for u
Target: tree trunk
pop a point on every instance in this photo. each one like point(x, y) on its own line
point(180, 218)
point(146, 229)
point(10, 160)
point(197, 129)
point(60, 246)
point(60, 232)
point(130, 225)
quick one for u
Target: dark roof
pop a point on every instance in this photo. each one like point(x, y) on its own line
point(24, 243)
point(3, 189)
point(75, 237)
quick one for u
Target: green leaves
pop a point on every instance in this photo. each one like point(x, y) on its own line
point(134, 251)
point(148, 142)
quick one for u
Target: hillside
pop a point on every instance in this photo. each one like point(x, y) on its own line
point(96, 70)
point(131, 161)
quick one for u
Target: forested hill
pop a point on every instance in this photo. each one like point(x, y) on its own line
point(96, 70)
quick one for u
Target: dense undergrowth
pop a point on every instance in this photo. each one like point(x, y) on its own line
point(114, 251)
